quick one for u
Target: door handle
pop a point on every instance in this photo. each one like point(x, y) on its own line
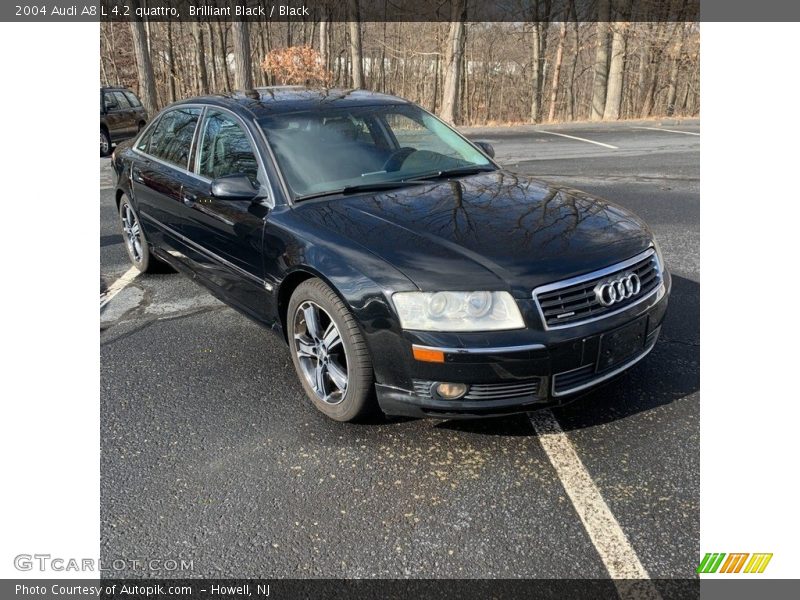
point(189, 199)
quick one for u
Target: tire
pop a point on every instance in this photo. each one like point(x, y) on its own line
point(133, 236)
point(320, 360)
point(105, 143)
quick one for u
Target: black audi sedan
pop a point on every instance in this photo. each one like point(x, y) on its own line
point(405, 269)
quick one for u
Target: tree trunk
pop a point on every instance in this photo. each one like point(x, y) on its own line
point(562, 35)
point(243, 76)
point(171, 74)
point(615, 75)
point(383, 58)
point(144, 68)
point(148, 33)
point(223, 46)
point(324, 48)
point(356, 56)
point(537, 56)
point(200, 57)
point(674, 71)
point(110, 52)
point(650, 91)
point(644, 63)
point(261, 52)
point(573, 72)
point(541, 22)
point(266, 36)
point(436, 71)
point(452, 60)
point(600, 81)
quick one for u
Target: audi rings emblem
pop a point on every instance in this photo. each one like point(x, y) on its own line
point(617, 290)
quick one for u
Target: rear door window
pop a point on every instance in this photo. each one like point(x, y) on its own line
point(122, 101)
point(172, 137)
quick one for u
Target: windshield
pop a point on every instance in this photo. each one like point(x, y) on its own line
point(329, 150)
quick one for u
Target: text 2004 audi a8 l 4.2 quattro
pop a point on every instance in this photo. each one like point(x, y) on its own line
point(401, 264)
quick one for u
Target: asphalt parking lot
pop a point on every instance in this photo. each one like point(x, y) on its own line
point(211, 453)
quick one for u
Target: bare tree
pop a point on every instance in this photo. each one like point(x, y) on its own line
point(674, 71)
point(171, 73)
point(147, 85)
point(469, 73)
point(213, 56)
point(453, 57)
point(356, 53)
point(600, 81)
point(243, 77)
point(324, 38)
point(562, 36)
point(541, 21)
point(200, 57)
point(615, 72)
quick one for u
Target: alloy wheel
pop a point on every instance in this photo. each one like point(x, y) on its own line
point(104, 144)
point(133, 233)
point(321, 353)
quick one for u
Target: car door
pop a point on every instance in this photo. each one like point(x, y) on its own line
point(159, 173)
point(127, 114)
point(229, 232)
point(137, 110)
point(115, 119)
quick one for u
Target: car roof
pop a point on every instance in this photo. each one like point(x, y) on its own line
point(264, 101)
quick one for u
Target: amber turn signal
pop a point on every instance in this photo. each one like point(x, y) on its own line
point(427, 354)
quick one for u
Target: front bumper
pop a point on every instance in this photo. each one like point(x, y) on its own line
point(514, 371)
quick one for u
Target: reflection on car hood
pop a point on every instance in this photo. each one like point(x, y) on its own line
point(495, 231)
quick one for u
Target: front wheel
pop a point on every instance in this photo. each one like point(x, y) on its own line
point(133, 235)
point(329, 352)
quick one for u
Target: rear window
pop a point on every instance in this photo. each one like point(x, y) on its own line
point(171, 140)
point(132, 99)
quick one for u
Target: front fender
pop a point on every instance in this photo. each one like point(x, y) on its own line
point(362, 280)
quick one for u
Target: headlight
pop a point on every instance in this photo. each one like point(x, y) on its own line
point(659, 254)
point(457, 311)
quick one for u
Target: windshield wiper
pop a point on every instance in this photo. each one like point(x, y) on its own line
point(471, 170)
point(362, 187)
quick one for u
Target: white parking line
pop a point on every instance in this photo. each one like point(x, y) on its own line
point(116, 287)
point(580, 139)
point(612, 544)
point(668, 130)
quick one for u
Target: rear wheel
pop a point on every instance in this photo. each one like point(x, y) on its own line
point(105, 143)
point(329, 353)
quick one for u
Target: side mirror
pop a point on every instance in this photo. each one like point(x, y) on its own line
point(111, 104)
point(234, 187)
point(487, 148)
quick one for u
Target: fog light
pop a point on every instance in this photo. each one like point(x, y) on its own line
point(450, 391)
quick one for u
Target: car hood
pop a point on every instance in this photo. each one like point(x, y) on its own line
point(492, 231)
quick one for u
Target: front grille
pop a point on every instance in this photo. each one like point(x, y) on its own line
point(487, 391)
point(573, 301)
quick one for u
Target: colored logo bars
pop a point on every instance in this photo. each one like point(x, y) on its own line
point(713, 563)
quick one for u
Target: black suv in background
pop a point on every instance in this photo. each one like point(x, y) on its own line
point(122, 116)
